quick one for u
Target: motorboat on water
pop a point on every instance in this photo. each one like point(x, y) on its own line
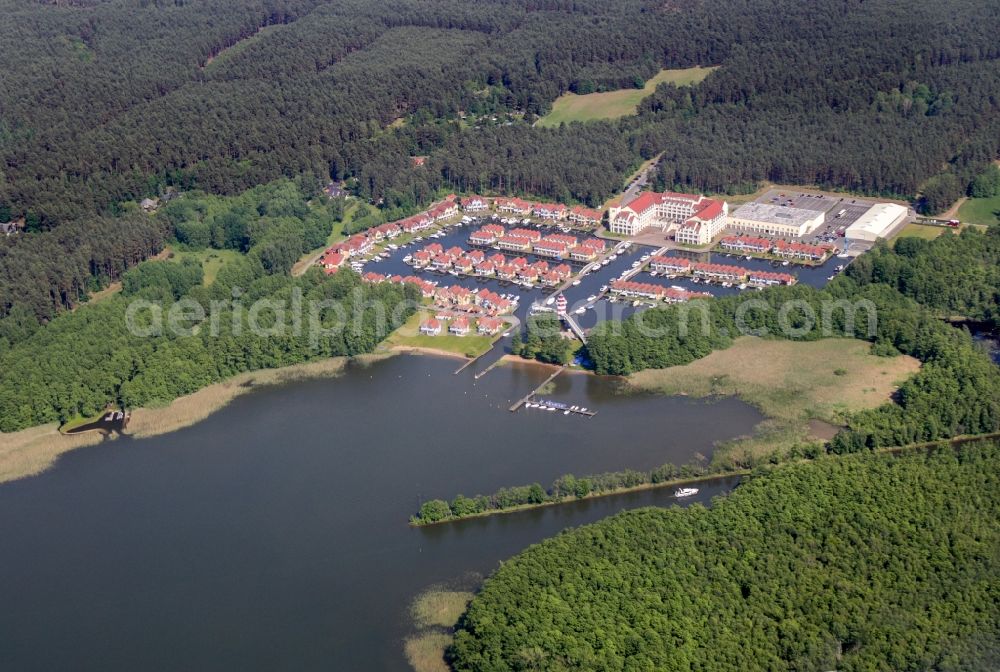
point(580, 311)
point(549, 301)
point(576, 282)
point(592, 297)
point(685, 492)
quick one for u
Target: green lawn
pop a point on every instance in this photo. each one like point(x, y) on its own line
point(211, 260)
point(925, 231)
point(613, 104)
point(409, 336)
point(78, 420)
point(984, 211)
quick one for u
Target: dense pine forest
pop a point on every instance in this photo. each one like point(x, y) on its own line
point(861, 563)
point(111, 101)
point(108, 102)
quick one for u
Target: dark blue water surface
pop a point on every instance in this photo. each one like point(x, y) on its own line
point(274, 534)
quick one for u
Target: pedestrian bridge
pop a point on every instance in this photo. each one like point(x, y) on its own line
point(574, 327)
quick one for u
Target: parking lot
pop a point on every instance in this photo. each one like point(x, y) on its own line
point(841, 212)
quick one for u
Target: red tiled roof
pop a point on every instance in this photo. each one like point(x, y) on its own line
point(751, 241)
point(581, 211)
point(721, 268)
point(517, 240)
point(530, 234)
point(710, 210)
point(551, 246)
point(769, 275)
point(332, 259)
point(561, 238)
point(678, 262)
point(643, 202)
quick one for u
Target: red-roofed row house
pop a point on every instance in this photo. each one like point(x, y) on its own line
point(461, 326)
point(582, 216)
point(795, 250)
point(332, 261)
point(746, 244)
point(514, 206)
point(720, 272)
point(475, 204)
point(670, 265)
point(485, 301)
point(651, 291)
point(766, 278)
point(550, 211)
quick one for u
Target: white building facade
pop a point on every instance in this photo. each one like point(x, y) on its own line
point(692, 216)
point(775, 220)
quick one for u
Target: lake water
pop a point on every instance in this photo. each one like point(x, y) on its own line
point(274, 534)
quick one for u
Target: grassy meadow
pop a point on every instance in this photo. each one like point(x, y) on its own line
point(211, 260)
point(409, 336)
point(925, 231)
point(983, 211)
point(614, 104)
point(793, 383)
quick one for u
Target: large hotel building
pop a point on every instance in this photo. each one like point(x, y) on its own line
point(692, 218)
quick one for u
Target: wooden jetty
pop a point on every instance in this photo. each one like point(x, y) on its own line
point(526, 398)
point(561, 407)
point(488, 368)
point(565, 408)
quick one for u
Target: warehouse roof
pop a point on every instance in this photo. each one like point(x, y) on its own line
point(775, 214)
point(876, 221)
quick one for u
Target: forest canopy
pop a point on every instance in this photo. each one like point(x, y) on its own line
point(859, 563)
point(112, 101)
point(82, 360)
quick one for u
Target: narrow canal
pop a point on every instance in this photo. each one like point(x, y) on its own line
point(273, 535)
